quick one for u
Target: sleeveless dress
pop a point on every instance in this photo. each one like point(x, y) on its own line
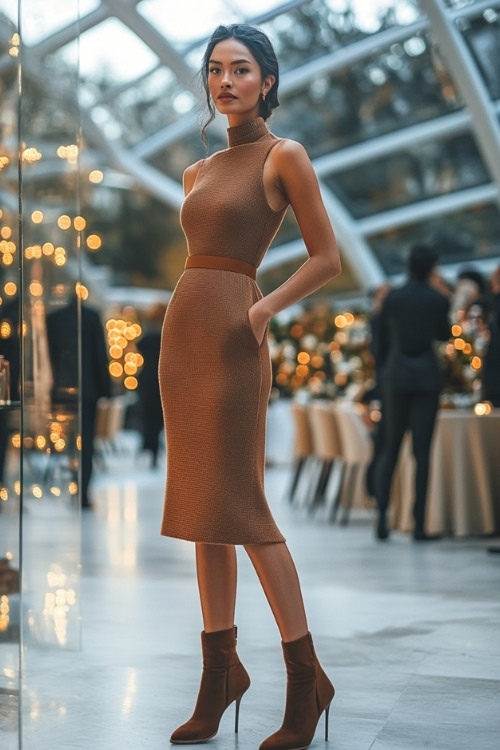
point(215, 379)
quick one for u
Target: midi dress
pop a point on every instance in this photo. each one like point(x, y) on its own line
point(215, 378)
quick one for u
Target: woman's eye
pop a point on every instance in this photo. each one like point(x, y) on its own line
point(242, 70)
point(214, 71)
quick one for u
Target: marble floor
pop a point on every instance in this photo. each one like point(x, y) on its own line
point(409, 633)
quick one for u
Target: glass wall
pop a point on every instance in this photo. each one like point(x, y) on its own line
point(40, 309)
point(10, 469)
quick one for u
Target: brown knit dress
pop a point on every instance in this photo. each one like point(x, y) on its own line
point(215, 379)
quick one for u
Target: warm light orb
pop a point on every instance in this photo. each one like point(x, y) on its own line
point(96, 176)
point(79, 223)
point(36, 289)
point(115, 369)
point(476, 363)
point(10, 289)
point(303, 358)
point(64, 222)
point(130, 383)
point(37, 217)
point(94, 242)
point(81, 290)
point(5, 329)
point(340, 321)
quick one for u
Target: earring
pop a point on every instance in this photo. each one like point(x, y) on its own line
point(263, 96)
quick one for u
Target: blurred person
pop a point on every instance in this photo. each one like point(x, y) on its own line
point(148, 388)
point(10, 350)
point(215, 380)
point(491, 360)
point(376, 392)
point(413, 317)
point(66, 358)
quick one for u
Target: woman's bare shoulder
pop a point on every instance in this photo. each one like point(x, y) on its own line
point(190, 175)
point(288, 152)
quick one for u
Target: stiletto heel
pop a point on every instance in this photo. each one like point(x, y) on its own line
point(224, 679)
point(327, 719)
point(237, 715)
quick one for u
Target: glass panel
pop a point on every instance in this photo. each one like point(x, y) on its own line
point(49, 16)
point(319, 27)
point(463, 237)
point(134, 113)
point(409, 176)
point(49, 433)
point(457, 4)
point(482, 35)
point(174, 159)
point(110, 52)
point(10, 557)
point(394, 88)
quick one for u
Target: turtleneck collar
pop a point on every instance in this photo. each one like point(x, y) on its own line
point(248, 132)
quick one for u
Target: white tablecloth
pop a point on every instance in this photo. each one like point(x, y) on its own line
point(464, 484)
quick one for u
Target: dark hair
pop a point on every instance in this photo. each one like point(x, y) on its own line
point(421, 261)
point(260, 47)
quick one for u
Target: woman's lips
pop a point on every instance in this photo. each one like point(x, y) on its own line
point(226, 97)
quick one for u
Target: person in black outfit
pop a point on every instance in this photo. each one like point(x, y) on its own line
point(412, 318)
point(62, 332)
point(491, 361)
point(10, 349)
point(149, 388)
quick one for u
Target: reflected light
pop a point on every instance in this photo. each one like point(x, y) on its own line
point(130, 383)
point(94, 242)
point(482, 409)
point(5, 329)
point(47, 248)
point(64, 222)
point(81, 290)
point(476, 363)
point(10, 289)
point(36, 289)
point(79, 223)
point(6, 234)
point(96, 176)
point(37, 217)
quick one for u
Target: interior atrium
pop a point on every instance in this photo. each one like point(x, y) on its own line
point(397, 103)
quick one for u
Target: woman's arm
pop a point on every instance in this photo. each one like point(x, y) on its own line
point(293, 175)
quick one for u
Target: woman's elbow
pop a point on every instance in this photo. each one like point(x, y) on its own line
point(333, 265)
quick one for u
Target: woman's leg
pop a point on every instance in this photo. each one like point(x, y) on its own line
point(309, 691)
point(224, 679)
point(216, 571)
point(277, 573)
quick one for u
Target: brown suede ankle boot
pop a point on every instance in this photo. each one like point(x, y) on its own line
point(309, 692)
point(224, 679)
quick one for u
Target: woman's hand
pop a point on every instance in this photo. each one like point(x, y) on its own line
point(258, 321)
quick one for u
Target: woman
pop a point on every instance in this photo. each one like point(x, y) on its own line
point(215, 379)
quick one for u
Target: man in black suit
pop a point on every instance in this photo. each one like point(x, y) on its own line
point(66, 358)
point(412, 318)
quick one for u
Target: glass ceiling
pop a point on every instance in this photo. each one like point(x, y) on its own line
point(396, 101)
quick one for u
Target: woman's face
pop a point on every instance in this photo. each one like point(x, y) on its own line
point(235, 81)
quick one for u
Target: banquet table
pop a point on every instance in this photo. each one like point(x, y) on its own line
point(464, 483)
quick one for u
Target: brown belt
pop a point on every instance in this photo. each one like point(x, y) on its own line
point(222, 264)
